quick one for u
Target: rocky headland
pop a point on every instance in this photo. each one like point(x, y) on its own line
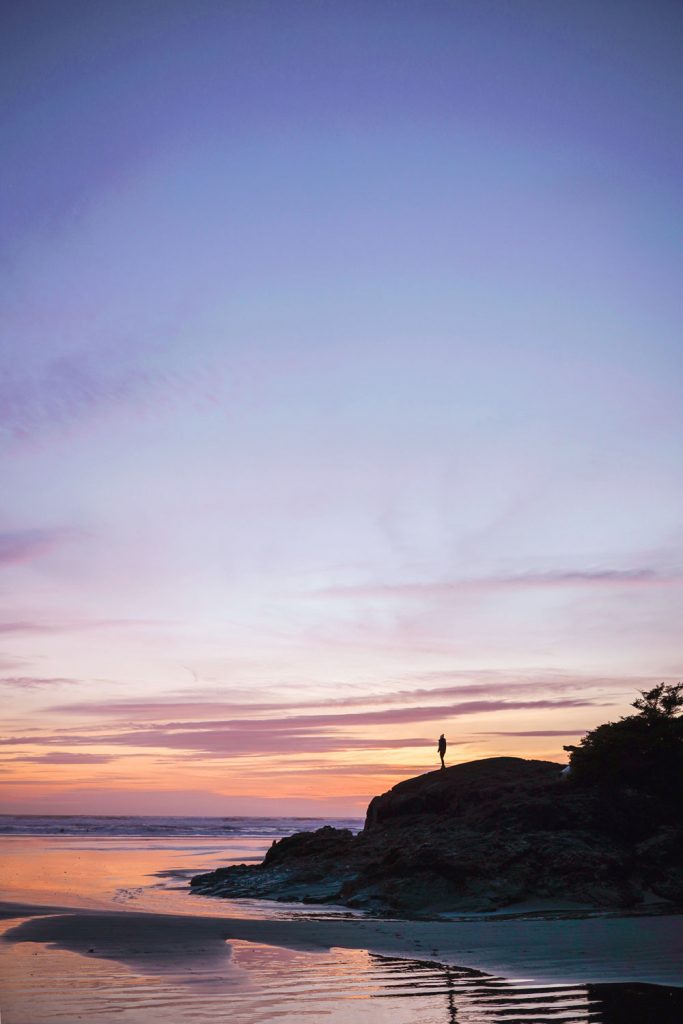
point(478, 836)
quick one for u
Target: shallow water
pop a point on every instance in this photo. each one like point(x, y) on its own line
point(135, 873)
point(261, 984)
point(248, 983)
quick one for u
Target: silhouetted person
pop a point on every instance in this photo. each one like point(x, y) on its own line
point(442, 749)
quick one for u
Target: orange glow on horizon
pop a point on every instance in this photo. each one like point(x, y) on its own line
point(95, 776)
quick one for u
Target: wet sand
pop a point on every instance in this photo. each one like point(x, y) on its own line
point(606, 950)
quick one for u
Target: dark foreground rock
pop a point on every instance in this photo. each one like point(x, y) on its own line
point(476, 836)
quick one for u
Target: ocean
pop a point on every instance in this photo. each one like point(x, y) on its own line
point(158, 827)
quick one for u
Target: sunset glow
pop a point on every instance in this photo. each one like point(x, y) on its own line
point(339, 395)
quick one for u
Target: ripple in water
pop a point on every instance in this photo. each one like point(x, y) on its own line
point(355, 986)
point(262, 984)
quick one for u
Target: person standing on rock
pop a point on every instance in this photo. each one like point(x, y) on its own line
point(442, 749)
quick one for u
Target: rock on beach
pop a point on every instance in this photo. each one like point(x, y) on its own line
point(478, 836)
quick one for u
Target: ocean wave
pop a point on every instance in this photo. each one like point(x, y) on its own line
point(159, 826)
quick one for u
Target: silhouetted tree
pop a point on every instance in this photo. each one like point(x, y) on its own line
point(642, 751)
point(664, 701)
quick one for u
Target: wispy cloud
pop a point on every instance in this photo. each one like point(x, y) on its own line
point(68, 388)
point(383, 716)
point(225, 743)
point(146, 710)
point(38, 625)
point(390, 716)
point(288, 734)
point(498, 685)
point(35, 682)
point(19, 546)
point(8, 664)
point(18, 626)
point(64, 757)
point(376, 771)
point(536, 732)
point(553, 578)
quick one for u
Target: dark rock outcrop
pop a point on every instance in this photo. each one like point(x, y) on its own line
point(476, 836)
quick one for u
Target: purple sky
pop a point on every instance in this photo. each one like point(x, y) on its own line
point(341, 359)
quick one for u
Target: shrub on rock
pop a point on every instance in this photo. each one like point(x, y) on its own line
point(642, 752)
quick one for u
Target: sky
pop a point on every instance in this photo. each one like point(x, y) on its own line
point(340, 392)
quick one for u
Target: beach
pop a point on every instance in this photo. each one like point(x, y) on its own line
point(104, 928)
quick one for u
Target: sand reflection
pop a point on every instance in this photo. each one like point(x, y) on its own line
point(98, 872)
point(131, 968)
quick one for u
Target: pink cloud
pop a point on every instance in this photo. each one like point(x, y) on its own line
point(63, 757)
point(502, 686)
point(19, 546)
point(308, 733)
point(555, 578)
point(536, 732)
point(71, 625)
point(7, 663)
point(35, 682)
point(71, 388)
point(350, 771)
point(220, 742)
point(387, 716)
